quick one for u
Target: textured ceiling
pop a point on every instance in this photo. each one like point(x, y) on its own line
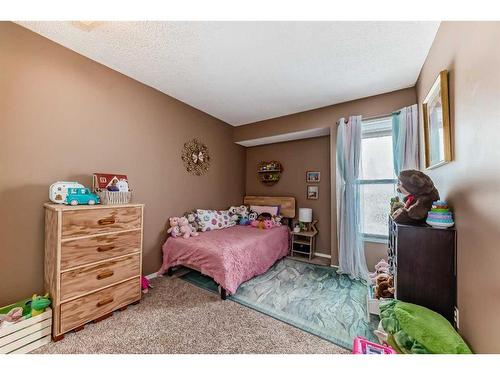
point(242, 72)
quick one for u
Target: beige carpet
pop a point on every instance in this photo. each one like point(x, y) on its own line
point(177, 317)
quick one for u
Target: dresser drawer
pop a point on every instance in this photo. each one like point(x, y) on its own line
point(75, 253)
point(84, 309)
point(87, 279)
point(86, 222)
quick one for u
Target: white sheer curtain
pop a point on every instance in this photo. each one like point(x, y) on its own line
point(405, 139)
point(349, 224)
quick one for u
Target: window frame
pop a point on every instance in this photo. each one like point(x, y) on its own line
point(374, 129)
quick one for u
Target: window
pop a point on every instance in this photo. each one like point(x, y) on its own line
point(377, 179)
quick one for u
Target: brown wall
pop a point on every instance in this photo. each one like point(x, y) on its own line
point(297, 157)
point(323, 118)
point(64, 117)
point(469, 50)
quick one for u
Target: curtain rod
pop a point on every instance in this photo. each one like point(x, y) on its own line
point(375, 117)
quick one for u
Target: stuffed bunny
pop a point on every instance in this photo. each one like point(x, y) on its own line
point(175, 229)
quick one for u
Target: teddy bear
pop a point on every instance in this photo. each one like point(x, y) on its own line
point(419, 192)
point(175, 229)
point(384, 287)
point(381, 267)
point(193, 220)
point(186, 229)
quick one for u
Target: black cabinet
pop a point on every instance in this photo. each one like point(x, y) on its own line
point(423, 262)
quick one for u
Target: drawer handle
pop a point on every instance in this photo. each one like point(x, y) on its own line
point(105, 301)
point(106, 221)
point(105, 275)
point(101, 249)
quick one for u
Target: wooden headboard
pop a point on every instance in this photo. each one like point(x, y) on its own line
point(287, 204)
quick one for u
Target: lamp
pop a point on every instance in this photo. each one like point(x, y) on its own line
point(305, 218)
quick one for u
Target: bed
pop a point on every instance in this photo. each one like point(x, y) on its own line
point(232, 255)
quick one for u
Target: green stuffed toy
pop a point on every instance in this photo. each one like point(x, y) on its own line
point(39, 304)
point(414, 329)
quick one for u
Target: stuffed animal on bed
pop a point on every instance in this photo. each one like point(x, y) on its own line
point(186, 229)
point(175, 229)
point(193, 220)
point(239, 214)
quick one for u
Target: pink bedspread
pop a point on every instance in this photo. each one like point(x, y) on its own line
point(230, 256)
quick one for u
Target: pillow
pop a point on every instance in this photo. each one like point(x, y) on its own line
point(273, 210)
point(212, 219)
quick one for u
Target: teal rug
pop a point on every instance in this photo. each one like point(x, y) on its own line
point(311, 297)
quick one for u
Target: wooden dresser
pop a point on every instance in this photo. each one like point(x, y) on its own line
point(423, 262)
point(93, 262)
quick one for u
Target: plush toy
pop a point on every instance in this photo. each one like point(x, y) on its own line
point(276, 219)
point(185, 228)
point(419, 192)
point(193, 220)
point(252, 215)
point(39, 304)
point(268, 224)
point(381, 267)
point(396, 204)
point(244, 221)
point(384, 287)
point(175, 229)
point(239, 214)
point(13, 316)
point(145, 285)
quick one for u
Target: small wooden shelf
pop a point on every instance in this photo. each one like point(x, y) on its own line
point(269, 172)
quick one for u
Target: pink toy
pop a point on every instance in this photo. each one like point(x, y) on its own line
point(186, 229)
point(175, 229)
point(381, 267)
point(268, 224)
point(145, 284)
point(363, 346)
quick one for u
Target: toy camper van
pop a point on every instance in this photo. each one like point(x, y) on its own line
point(59, 190)
point(82, 195)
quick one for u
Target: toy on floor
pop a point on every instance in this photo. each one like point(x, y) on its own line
point(384, 286)
point(175, 229)
point(186, 229)
point(361, 345)
point(419, 192)
point(440, 215)
point(414, 329)
point(145, 285)
point(39, 304)
point(381, 267)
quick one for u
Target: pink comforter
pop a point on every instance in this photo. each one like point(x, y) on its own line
point(230, 256)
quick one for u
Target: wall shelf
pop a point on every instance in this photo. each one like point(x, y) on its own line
point(269, 172)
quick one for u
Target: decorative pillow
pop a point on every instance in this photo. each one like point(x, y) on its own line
point(212, 219)
point(273, 210)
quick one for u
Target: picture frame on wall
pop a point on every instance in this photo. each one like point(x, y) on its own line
point(437, 127)
point(313, 176)
point(312, 192)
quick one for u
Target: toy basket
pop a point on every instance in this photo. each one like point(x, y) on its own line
point(115, 197)
point(27, 334)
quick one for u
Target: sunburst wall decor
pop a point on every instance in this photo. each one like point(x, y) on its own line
point(195, 157)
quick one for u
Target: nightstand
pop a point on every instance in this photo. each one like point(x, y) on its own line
point(304, 242)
